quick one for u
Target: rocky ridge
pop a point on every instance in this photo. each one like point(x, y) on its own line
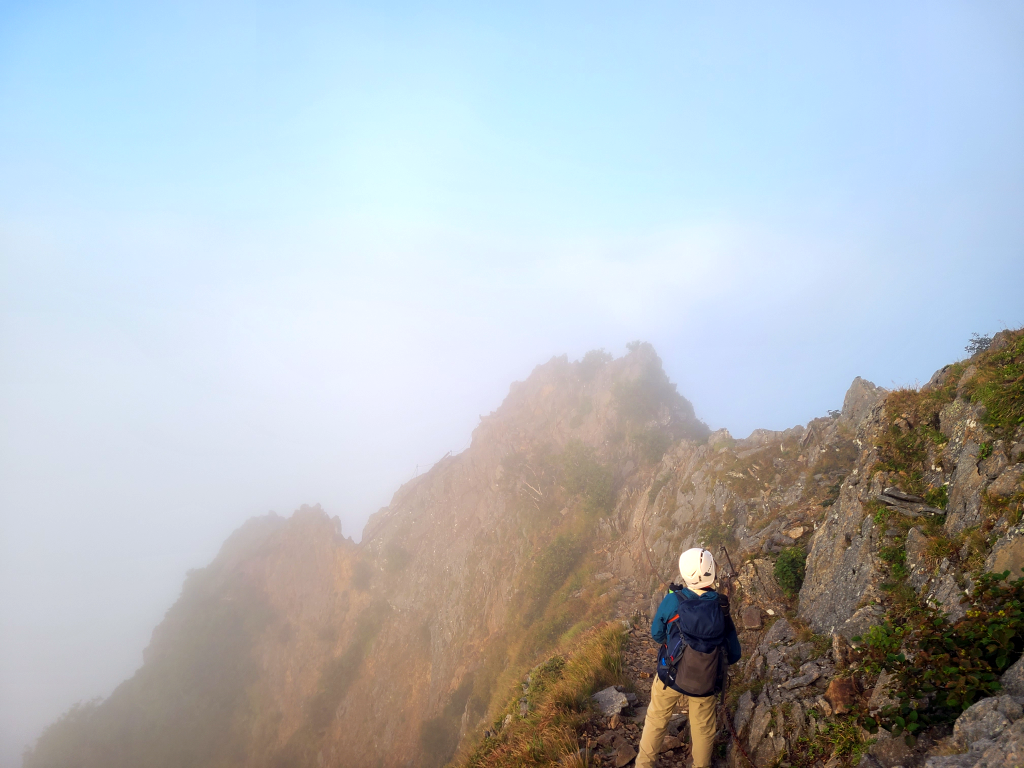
point(570, 507)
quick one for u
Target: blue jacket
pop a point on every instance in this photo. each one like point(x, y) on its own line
point(667, 610)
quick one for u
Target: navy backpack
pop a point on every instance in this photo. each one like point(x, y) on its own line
point(693, 659)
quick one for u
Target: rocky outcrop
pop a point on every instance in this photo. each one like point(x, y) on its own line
point(989, 734)
point(862, 398)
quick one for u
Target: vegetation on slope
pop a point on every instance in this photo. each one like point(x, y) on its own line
point(558, 702)
point(940, 668)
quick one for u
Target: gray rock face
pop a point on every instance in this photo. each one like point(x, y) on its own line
point(990, 732)
point(880, 695)
point(860, 400)
point(862, 620)
point(1008, 553)
point(961, 423)
point(781, 632)
point(759, 724)
point(889, 751)
point(1008, 481)
point(907, 504)
point(917, 559)
point(609, 701)
point(744, 712)
point(964, 509)
point(757, 579)
point(986, 719)
point(946, 595)
point(1013, 679)
point(938, 379)
point(841, 565)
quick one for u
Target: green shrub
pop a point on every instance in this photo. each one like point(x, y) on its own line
point(953, 665)
point(837, 737)
point(896, 557)
point(789, 570)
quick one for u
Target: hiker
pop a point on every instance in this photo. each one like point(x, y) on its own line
point(697, 638)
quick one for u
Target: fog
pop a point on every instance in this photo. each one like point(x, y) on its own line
point(252, 258)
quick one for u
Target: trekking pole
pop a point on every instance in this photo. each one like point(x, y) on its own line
point(727, 577)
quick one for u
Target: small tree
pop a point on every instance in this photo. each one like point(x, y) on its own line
point(978, 343)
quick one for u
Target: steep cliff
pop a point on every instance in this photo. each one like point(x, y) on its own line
point(298, 647)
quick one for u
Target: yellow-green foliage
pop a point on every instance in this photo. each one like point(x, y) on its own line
point(558, 697)
point(837, 737)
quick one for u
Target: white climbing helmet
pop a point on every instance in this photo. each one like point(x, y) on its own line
point(697, 567)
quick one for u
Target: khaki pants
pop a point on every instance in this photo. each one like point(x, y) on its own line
point(702, 725)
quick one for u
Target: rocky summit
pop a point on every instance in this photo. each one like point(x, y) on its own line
point(866, 542)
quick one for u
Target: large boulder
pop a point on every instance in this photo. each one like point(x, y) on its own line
point(964, 508)
point(987, 719)
point(1013, 679)
point(610, 701)
point(1008, 553)
point(757, 579)
point(841, 566)
point(1007, 482)
point(989, 734)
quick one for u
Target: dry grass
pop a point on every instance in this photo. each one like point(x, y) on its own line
point(559, 696)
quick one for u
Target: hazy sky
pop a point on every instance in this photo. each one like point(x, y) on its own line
point(257, 255)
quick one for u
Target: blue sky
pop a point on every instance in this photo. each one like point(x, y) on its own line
point(256, 255)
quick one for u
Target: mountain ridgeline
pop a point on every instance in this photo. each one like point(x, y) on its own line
point(298, 647)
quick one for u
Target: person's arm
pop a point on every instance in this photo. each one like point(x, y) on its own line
point(659, 630)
